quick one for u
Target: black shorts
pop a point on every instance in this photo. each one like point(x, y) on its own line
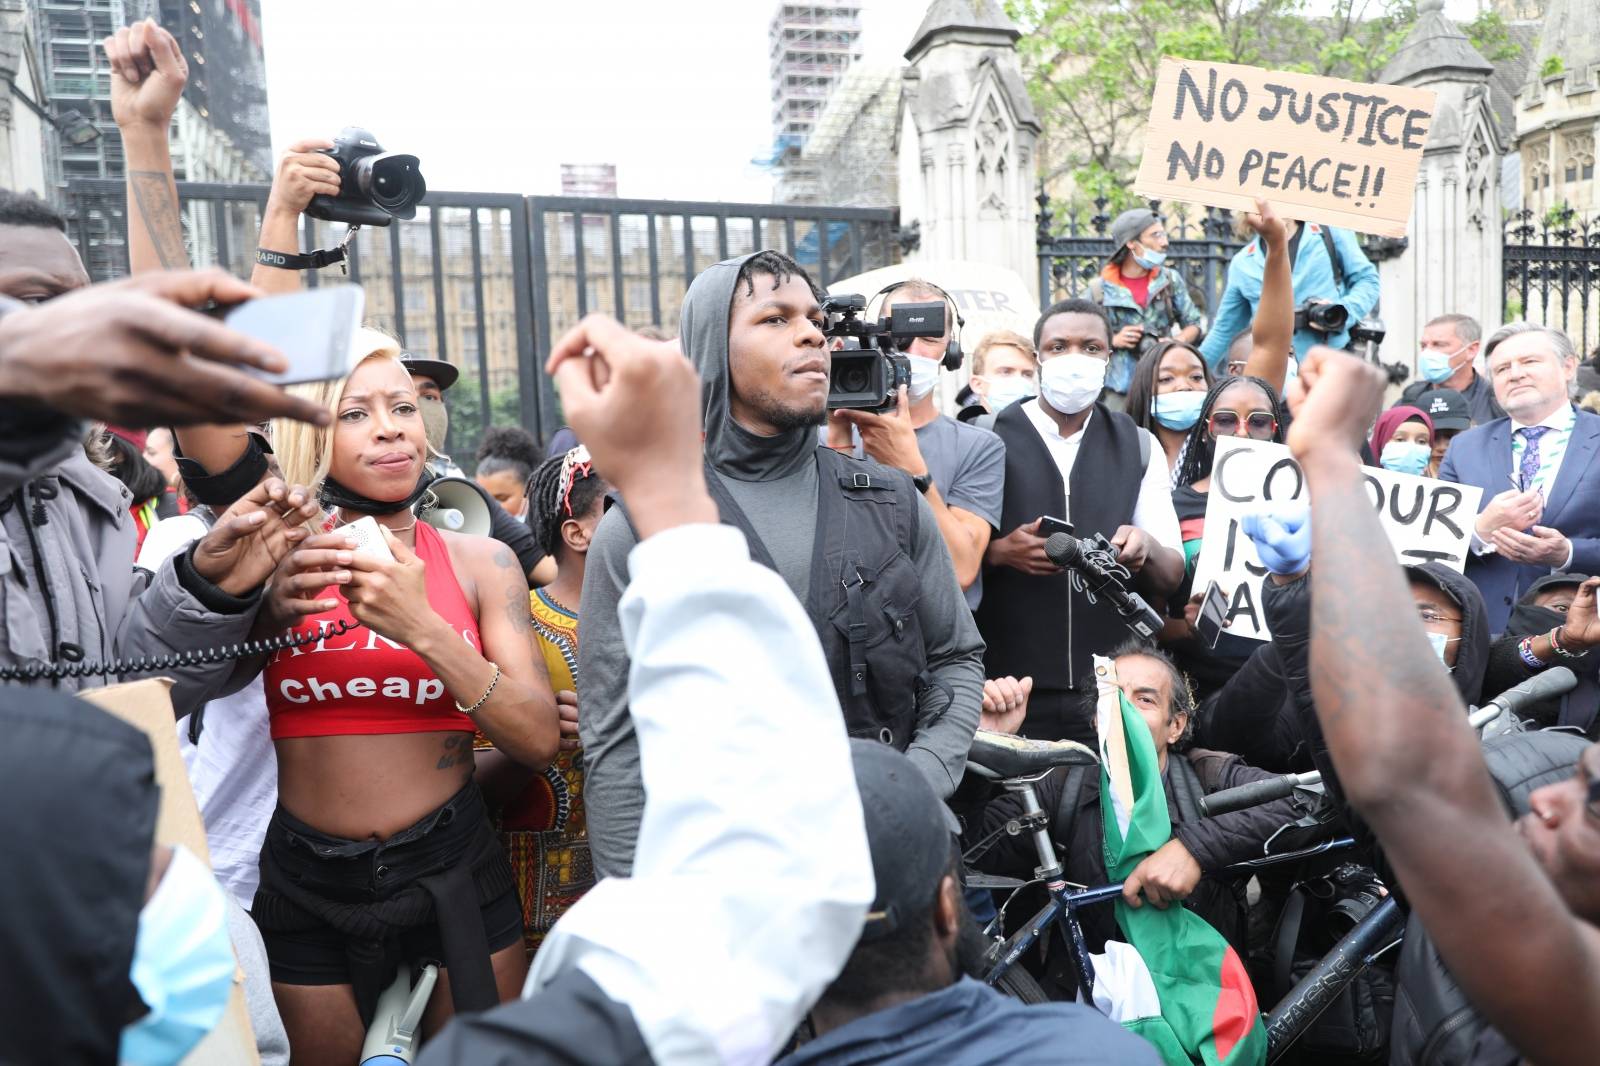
point(325, 901)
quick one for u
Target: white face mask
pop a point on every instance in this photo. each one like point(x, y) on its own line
point(1003, 392)
point(1072, 381)
point(924, 376)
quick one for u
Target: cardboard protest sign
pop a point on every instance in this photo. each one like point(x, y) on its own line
point(1427, 521)
point(1321, 149)
point(146, 704)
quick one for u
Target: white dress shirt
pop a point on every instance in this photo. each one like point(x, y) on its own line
point(752, 876)
point(1153, 512)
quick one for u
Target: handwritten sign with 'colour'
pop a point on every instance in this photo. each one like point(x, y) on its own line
point(1427, 521)
point(1320, 149)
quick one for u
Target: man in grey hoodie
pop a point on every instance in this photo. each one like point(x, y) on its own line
point(752, 326)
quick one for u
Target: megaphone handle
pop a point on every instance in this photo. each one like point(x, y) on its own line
point(407, 1026)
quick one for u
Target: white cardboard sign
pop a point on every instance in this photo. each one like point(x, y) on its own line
point(1426, 519)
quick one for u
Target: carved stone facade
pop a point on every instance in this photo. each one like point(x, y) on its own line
point(22, 121)
point(1453, 261)
point(966, 138)
point(1558, 111)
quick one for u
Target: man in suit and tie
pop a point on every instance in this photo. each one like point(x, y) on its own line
point(1537, 468)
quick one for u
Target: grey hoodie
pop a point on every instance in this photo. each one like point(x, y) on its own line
point(774, 481)
point(66, 565)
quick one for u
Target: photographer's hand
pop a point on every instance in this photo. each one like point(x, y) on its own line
point(303, 172)
point(890, 438)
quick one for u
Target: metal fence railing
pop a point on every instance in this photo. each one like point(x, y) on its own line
point(1552, 273)
point(489, 281)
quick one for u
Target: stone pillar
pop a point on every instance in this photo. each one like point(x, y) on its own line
point(1452, 263)
point(966, 118)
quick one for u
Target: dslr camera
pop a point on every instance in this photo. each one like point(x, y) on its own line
point(374, 186)
point(1329, 318)
point(868, 366)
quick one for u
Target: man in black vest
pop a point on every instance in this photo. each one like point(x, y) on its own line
point(1035, 618)
point(853, 539)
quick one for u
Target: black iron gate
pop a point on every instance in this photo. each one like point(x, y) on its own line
point(489, 281)
point(1552, 273)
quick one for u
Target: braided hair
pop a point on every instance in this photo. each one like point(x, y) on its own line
point(1200, 449)
point(555, 496)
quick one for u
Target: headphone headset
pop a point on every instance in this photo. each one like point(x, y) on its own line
point(953, 354)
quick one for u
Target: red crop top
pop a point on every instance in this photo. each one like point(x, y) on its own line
point(362, 683)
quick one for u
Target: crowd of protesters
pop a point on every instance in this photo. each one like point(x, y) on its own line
point(669, 758)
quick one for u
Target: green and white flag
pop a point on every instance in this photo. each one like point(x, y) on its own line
point(1203, 1008)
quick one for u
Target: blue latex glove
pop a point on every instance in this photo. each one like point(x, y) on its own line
point(1282, 536)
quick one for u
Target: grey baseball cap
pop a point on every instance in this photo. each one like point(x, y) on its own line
point(906, 832)
point(1128, 225)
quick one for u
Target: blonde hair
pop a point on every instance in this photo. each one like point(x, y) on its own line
point(304, 451)
point(1000, 338)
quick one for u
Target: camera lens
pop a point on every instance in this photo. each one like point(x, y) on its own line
point(853, 379)
point(393, 182)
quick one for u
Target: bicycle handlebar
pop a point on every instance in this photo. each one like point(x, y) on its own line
point(1255, 793)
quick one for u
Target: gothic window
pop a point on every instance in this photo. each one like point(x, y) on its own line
point(991, 145)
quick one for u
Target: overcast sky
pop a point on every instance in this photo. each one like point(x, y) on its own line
point(494, 95)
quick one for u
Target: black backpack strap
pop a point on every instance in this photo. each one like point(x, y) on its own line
point(1067, 805)
point(1288, 937)
point(1333, 257)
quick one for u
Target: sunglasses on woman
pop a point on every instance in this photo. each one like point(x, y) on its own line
point(1259, 425)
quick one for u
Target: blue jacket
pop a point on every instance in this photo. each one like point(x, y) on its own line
point(970, 1024)
point(1161, 316)
point(1482, 456)
point(1313, 279)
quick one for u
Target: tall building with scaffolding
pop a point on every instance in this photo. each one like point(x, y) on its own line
point(810, 47)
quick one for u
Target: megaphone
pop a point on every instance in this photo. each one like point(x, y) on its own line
point(456, 504)
point(392, 1039)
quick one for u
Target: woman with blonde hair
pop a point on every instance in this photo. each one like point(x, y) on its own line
point(381, 853)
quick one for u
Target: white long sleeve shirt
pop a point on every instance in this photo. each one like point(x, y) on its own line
point(752, 875)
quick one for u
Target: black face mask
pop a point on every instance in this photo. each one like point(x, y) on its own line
point(1528, 620)
point(335, 495)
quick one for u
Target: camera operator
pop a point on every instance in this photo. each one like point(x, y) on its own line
point(1145, 301)
point(1039, 622)
point(852, 538)
point(1335, 286)
point(1514, 915)
point(959, 468)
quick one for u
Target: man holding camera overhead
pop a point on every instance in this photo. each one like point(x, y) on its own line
point(959, 468)
point(854, 540)
point(1335, 286)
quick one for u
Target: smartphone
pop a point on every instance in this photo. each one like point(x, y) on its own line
point(368, 537)
point(1048, 525)
point(1213, 611)
point(313, 329)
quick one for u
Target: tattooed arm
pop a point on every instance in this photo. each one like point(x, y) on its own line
point(1410, 763)
point(148, 73)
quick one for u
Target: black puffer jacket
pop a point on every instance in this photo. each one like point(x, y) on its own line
point(1434, 1024)
point(1076, 827)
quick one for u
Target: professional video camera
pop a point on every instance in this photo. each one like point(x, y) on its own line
point(868, 367)
point(374, 185)
point(1329, 318)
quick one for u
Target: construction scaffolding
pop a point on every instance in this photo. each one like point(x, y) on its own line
point(810, 47)
point(851, 149)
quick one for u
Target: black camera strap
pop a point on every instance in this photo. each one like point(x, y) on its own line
point(322, 257)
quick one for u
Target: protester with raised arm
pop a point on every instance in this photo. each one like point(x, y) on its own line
point(1514, 914)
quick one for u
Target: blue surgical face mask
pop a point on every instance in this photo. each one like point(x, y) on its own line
point(1178, 410)
point(1405, 457)
point(924, 376)
point(1440, 642)
point(1003, 392)
point(1150, 258)
point(183, 965)
point(1434, 365)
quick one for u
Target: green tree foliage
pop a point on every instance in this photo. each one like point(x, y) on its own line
point(467, 424)
point(1092, 65)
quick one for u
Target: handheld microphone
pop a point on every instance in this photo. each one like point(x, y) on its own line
point(1096, 563)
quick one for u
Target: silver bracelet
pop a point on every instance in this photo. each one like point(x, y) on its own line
point(470, 711)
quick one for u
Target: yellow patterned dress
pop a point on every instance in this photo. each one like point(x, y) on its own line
point(544, 829)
